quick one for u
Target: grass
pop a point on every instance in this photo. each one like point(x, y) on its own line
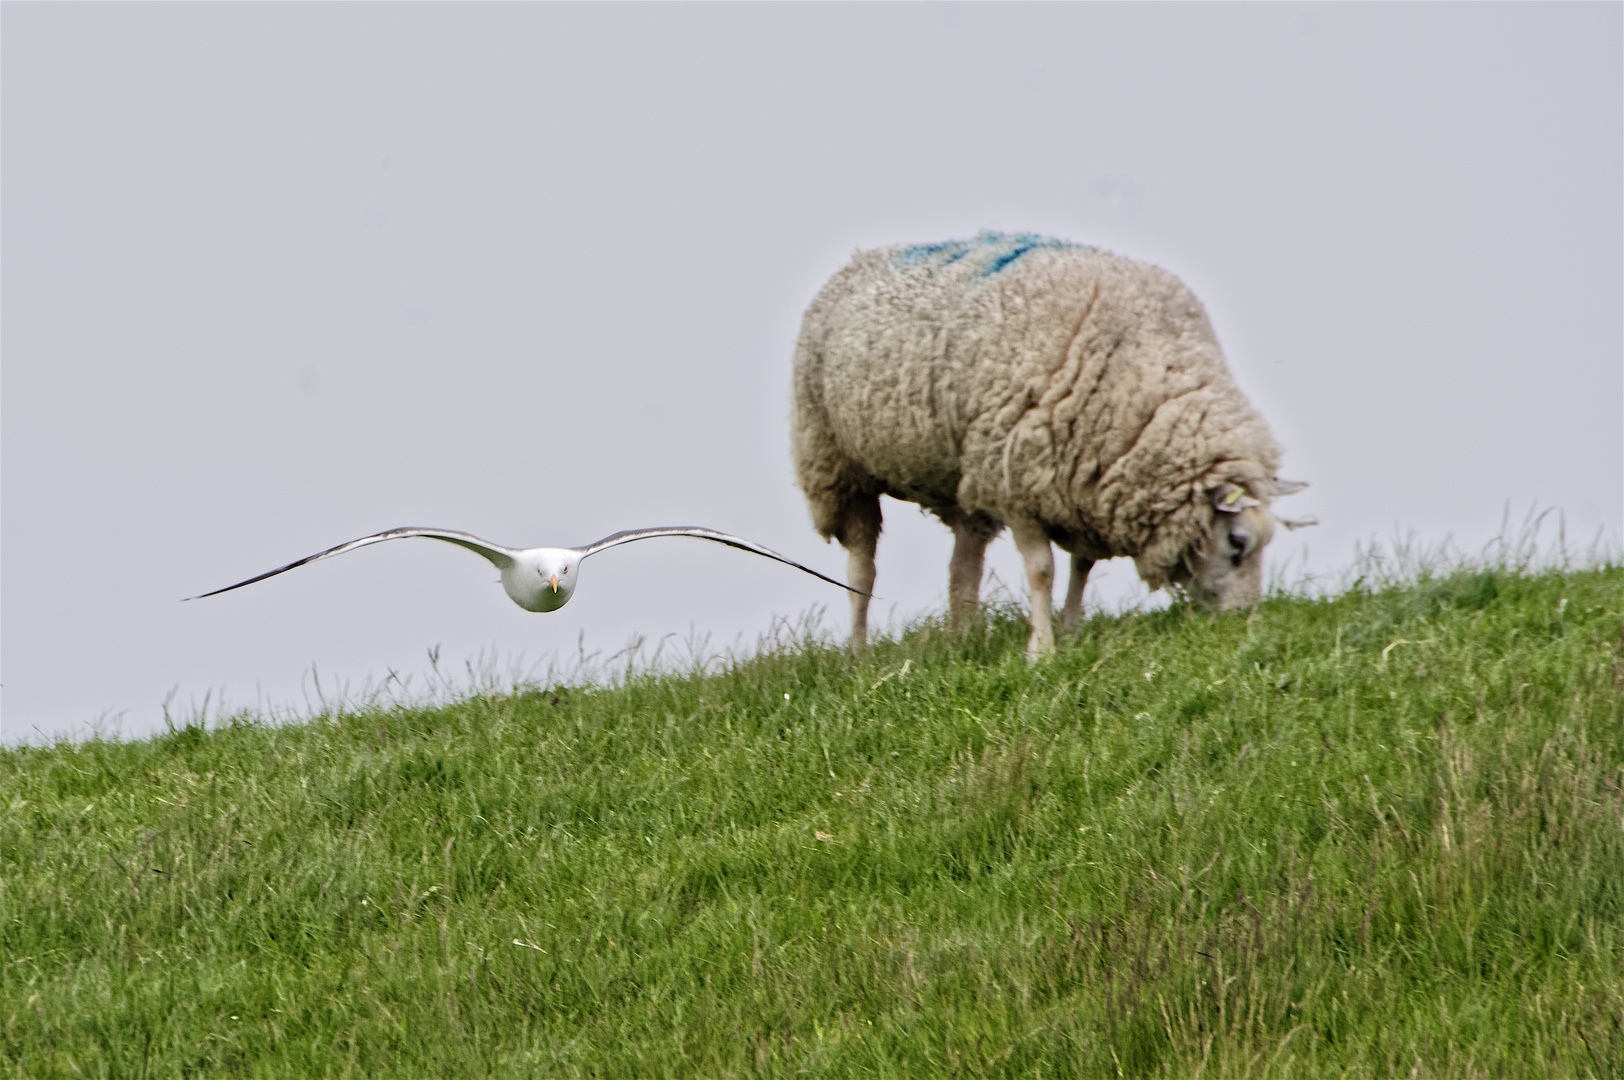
point(1375, 834)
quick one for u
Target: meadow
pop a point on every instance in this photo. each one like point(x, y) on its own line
point(1373, 834)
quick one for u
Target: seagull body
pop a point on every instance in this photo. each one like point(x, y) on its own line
point(537, 579)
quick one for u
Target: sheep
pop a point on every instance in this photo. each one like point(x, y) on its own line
point(1077, 396)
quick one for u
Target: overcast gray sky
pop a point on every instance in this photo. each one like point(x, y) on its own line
point(278, 276)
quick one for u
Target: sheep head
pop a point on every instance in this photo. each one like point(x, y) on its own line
point(1223, 569)
point(1226, 566)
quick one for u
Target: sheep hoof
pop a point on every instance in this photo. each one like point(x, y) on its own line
point(1037, 650)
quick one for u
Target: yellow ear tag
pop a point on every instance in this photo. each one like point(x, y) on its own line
point(1233, 497)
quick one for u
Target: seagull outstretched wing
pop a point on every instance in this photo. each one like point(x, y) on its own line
point(626, 537)
point(500, 557)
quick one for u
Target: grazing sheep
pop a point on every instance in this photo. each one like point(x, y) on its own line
point(1078, 396)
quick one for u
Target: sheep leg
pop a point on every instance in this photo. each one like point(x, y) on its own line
point(1033, 545)
point(970, 540)
point(1072, 613)
point(859, 534)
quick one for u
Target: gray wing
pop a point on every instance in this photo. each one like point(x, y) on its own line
point(499, 556)
point(626, 537)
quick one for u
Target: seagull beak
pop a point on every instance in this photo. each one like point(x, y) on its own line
point(553, 581)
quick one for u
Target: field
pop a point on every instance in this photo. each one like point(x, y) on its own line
point(1377, 834)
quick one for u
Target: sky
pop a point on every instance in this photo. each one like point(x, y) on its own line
point(274, 277)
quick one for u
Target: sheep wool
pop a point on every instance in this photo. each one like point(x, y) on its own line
point(1019, 378)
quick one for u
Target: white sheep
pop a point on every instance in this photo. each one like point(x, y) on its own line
point(1077, 396)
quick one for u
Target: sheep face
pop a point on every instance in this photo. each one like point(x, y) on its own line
point(1230, 572)
point(1225, 570)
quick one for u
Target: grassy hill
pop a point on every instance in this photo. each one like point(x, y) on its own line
point(1376, 835)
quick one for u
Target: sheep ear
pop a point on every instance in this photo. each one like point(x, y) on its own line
point(1231, 498)
point(1288, 487)
point(1297, 523)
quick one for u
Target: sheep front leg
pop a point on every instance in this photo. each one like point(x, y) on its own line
point(970, 540)
point(860, 573)
point(859, 534)
point(1033, 545)
point(1072, 613)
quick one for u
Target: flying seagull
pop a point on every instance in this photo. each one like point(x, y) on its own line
point(537, 579)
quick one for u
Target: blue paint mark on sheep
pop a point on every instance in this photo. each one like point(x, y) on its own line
point(998, 249)
point(1007, 258)
point(1026, 242)
point(921, 252)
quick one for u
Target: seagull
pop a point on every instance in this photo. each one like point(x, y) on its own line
point(537, 579)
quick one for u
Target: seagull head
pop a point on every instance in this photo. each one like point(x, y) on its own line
point(542, 579)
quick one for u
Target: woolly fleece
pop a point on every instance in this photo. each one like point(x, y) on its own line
point(1023, 377)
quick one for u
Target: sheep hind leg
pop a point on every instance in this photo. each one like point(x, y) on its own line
point(1033, 544)
point(1072, 613)
point(859, 534)
point(971, 535)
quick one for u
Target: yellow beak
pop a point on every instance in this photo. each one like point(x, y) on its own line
point(553, 581)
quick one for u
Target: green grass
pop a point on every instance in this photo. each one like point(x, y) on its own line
point(1380, 834)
